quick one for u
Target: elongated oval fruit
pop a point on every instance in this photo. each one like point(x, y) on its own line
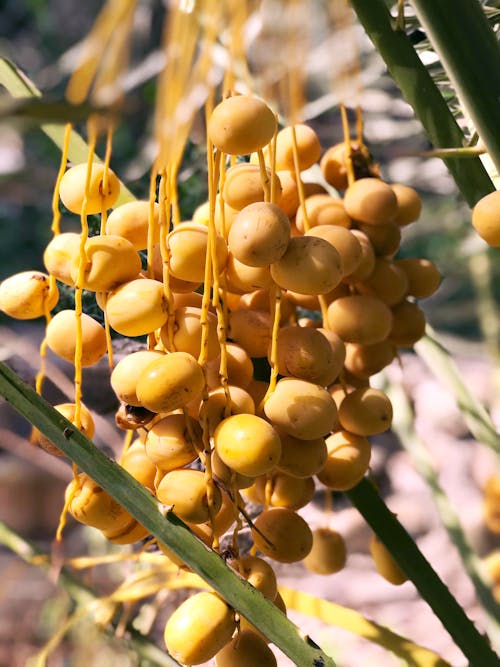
point(243, 185)
point(138, 307)
point(348, 460)
point(127, 371)
point(247, 649)
point(259, 235)
point(172, 442)
point(60, 254)
point(186, 491)
point(67, 410)
point(199, 628)
point(282, 534)
point(360, 318)
point(72, 189)
point(61, 337)
point(366, 411)
point(131, 221)
point(385, 563)
point(247, 444)
point(170, 383)
point(486, 218)
point(25, 295)
point(241, 124)
point(371, 200)
point(328, 553)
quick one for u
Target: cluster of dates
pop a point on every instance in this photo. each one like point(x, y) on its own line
point(280, 247)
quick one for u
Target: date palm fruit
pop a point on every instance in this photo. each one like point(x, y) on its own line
point(246, 649)
point(409, 204)
point(213, 408)
point(109, 262)
point(333, 165)
point(301, 458)
point(188, 249)
point(344, 241)
point(328, 553)
point(61, 337)
point(72, 189)
point(366, 411)
point(385, 563)
point(385, 239)
point(289, 200)
point(423, 276)
point(188, 332)
point(263, 299)
point(259, 235)
point(284, 490)
point(177, 285)
point(138, 307)
point(306, 354)
point(367, 261)
point(239, 368)
point(60, 254)
point(186, 491)
point(363, 361)
point(169, 442)
point(138, 464)
point(87, 426)
point(241, 125)
point(408, 324)
point(360, 318)
point(486, 218)
point(308, 147)
point(282, 534)
point(347, 462)
point(170, 383)
point(199, 628)
point(309, 266)
point(387, 282)
point(322, 209)
point(241, 278)
point(131, 221)
point(26, 295)
point(229, 477)
point(491, 504)
point(372, 201)
point(259, 573)
point(302, 409)
point(127, 371)
point(251, 329)
point(247, 444)
point(337, 346)
point(243, 185)
point(92, 506)
point(132, 532)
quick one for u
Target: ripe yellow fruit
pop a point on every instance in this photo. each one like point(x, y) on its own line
point(87, 426)
point(213, 409)
point(306, 353)
point(387, 282)
point(199, 628)
point(289, 199)
point(282, 534)
point(188, 250)
point(25, 295)
point(132, 532)
point(170, 383)
point(491, 504)
point(92, 506)
point(131, 221)
point(333, 165)
point(72, 189)
point(328, 553)
point(385, 239)
point(486, 218)
point(242, 278)
point(367, 261)
point(309, 266)
point(408, 324)
point(247, 444)
point(364, 361)
point(366, 411)
point(173, 442)
point(259, 573)
point(259, 235)
point(137, 307)
point(344, 241)
point(371, 200)
point(61, 337)
point(61, 253)
point(423, 276)
point(301, 458)
point(239, 368)
point(138, 464)
point(322, 210)
point(229, 477)
point(360, 319)
point(385, 563)
point(409, 204)
point(284, 490)
point(347, 462)
point(243, 185)
point(188, 332)
point(302, 409)
point(247, 649)
point(109, 262)
point(186, 491)
point(241, 124)
point(251, 329)
point(308, 147)
point(127, 371)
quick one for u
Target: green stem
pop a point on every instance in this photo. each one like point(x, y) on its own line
point(468, 49)
point(413, 563)
point(422, 94)
point(403, 426)
point(167, 528)
point(80, 593)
